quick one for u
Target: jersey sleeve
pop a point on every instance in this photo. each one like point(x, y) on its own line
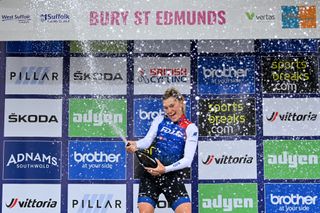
point(189, 150)
point(145, 142)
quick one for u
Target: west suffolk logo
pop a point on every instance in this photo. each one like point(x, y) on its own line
point(21, 18)
point(299, 16)
point(291, 116)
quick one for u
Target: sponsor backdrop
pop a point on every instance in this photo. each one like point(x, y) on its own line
point(68, 104)
point(74, 82)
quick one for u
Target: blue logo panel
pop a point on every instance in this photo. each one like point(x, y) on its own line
point(292, 198)
point(146, 110)
point(290, 45)
point(32, 160)
point(97, 160)
point(290, 17)
point(35, 46)
point(226, 75)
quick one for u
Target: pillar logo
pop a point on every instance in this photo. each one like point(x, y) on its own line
point(226, 117)
point(287, 159)
point(289, 74)
point(292, 198)
point(299, 16)
point(221, 75)
point(97, 117)
point(97, 198)
point(240, 198)
point(34, 75)
point(40, 160)
point(96, 160)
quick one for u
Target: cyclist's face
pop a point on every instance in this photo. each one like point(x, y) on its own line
point(173, 108)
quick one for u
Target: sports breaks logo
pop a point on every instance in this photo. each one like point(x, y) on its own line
point(299, 16)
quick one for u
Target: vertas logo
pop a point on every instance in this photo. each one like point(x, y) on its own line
point(260, 17)
point(31, 203)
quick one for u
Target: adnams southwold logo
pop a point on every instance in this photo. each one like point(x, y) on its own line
point(294, 198)
point(35, 160)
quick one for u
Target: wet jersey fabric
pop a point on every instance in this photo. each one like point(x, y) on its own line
point(173, 143)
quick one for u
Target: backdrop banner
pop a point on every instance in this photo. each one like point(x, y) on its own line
point(158, 19)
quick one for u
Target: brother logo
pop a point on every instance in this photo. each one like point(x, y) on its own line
point(224, 72)
point(144, 115)
point(96, 157)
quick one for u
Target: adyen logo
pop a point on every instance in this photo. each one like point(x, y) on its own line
point(289, 116)
point(96, 160)
point(228, 198)
point(228, 159)
point(299, 16)
point(97, 118)
point(291, 159)
point(31, 203)
point(292, 198)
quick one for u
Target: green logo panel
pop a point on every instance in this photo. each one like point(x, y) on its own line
point(98, 47)
point(291, 159)
point(235, 198)
point(97, 118)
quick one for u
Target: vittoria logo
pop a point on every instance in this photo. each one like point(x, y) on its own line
point(31, 203)
point(227, 159)
point(289, 116)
